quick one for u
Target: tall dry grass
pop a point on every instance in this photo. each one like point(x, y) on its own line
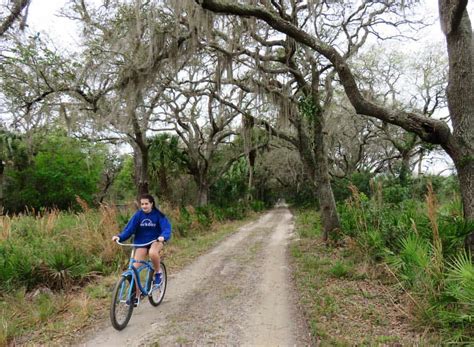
point(95, 229)
point(432, 211)
point(5, 224)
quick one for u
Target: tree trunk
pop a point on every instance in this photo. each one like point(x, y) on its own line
point(140, 158)
point(329, 215)
point(103, 192)
point(327, 203)
point(164, 186)
point(466, 181)
point(420, 162)
point(203, 194)
point(251, 154)
point(405, 168)
point(251, 162)
point(457, 28)
point(316, 165)
point(2, 184)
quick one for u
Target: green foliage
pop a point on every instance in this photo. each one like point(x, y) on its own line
point(18, 266)
point(372, 243)
point(30, 70)
point(123, 188)
point(396, 193)
point(308, 108)
point(340, 270)
point(201, 219)
point(63, 266)
point(204, 215)
point(413, 259)
point(309, 224)
point(454, 310)
point(257, 205)
point(13, 151)
point(166, 160)
point(305, 197)
point(232, 186)
point(340, 186)
point(62, 169)
point(460, 282)
point(182, 224)
point(446, 188)
point(453, 230)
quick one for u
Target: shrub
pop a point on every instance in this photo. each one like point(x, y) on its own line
point(257, 205)
point(62, 168)
point(396, 193)
point(182, 225)
point(204, 215)
point(361, 180)
point(340, 270)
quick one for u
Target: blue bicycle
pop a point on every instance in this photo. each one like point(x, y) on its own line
point(123, 298)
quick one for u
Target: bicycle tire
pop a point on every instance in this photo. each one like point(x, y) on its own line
point(120, 296)
point(157, 294)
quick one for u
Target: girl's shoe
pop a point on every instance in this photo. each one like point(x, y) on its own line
point(158, 279)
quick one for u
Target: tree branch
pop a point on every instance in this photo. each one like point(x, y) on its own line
point(18, 6)
point(430, 130)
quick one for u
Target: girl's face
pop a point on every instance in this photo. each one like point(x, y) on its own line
point(146, 205)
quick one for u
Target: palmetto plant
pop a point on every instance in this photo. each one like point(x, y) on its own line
point(455, 308)
point(56, 272)
point(460, 285)
point(412, 260)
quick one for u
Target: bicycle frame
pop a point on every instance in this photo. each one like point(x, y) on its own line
point(134, 272)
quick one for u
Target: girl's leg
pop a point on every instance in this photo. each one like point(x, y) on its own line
point(140, 254)
point(154, 254)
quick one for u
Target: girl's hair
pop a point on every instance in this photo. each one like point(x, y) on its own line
point(150, 199)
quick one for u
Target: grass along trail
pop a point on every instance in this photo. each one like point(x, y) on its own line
point(347, 299)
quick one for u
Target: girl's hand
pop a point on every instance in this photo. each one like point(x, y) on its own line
point(115, 238)
point(161, 239)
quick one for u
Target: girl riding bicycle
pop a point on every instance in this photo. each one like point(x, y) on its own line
point(147, 224)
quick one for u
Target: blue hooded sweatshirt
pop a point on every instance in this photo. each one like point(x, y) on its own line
point(146, 227)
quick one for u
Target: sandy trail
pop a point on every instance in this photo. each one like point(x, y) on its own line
point(237, 294)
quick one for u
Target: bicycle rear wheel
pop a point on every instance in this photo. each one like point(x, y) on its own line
point(122, 303)
point(158, 292)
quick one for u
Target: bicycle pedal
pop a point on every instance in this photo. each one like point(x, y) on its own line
point(136, 302)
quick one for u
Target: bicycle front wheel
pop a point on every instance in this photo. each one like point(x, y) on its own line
point(122, 303)
point(158, 292)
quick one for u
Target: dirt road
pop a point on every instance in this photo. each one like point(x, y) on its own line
point(237, 294)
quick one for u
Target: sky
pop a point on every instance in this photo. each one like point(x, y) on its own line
point(43, 16)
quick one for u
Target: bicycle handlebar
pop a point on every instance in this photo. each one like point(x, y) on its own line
point(134, 244)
